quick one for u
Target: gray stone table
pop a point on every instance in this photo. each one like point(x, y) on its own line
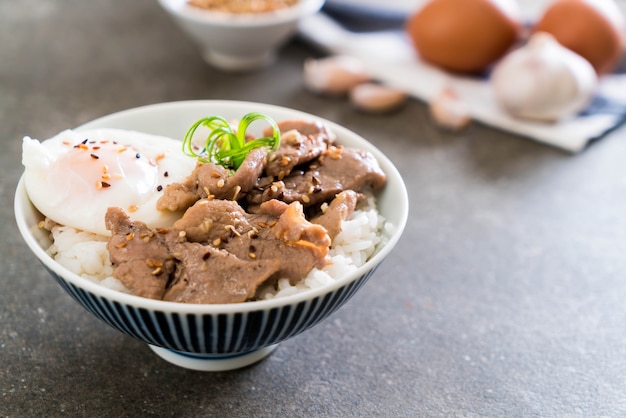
point(505, 296)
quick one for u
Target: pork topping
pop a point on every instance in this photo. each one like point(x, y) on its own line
point(216, 253)
point(273, 217)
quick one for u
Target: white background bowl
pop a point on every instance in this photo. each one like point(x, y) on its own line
point(239, 42)
point(220, 336)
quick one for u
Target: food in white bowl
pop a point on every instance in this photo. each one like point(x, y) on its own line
point(177, 330)
point(235, 41)
point(242, 6)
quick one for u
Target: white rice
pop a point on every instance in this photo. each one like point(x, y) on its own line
point(86, 255)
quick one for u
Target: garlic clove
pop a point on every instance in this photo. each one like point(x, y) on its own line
point(448, 111)
point(376, 98)
point(335, 75)
point(543, 81)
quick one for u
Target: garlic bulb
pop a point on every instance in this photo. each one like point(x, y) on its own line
point(334, 75)
point(543, 81)
point(375, 98)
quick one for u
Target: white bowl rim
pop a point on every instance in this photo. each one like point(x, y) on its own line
point(22, 200)
point(182, 10)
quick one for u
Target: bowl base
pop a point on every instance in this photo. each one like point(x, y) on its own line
point(212, 362)
point(238, 63)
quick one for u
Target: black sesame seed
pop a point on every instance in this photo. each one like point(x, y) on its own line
point(137, 155)
point(105, 184)
point(85, 141)
point(166, 174)
point(94, 156)
point(159, 188)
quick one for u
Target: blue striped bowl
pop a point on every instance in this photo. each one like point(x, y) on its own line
point(222, 336)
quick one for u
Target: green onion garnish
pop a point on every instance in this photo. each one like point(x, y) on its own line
point(226, 147)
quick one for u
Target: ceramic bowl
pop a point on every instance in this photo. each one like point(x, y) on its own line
point(221, 336)
point(239, 42)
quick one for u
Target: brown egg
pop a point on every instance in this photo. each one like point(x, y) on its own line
point(591, 28)
point(464, 35)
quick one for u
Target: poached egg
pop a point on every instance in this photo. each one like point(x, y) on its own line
point(74, 177)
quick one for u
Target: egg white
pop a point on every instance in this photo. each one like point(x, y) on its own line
point(74, 177)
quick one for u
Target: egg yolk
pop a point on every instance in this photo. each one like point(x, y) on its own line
point(105, 170)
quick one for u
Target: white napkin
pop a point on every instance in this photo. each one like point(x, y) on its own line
point(391, 60)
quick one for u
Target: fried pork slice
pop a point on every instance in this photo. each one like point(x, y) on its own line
point(301, 142)
point(278, 232)
point(140, 257)
point(215, 181)
point(293, 228)
point(209, 275)
point(340, 209)
point(319, 181)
